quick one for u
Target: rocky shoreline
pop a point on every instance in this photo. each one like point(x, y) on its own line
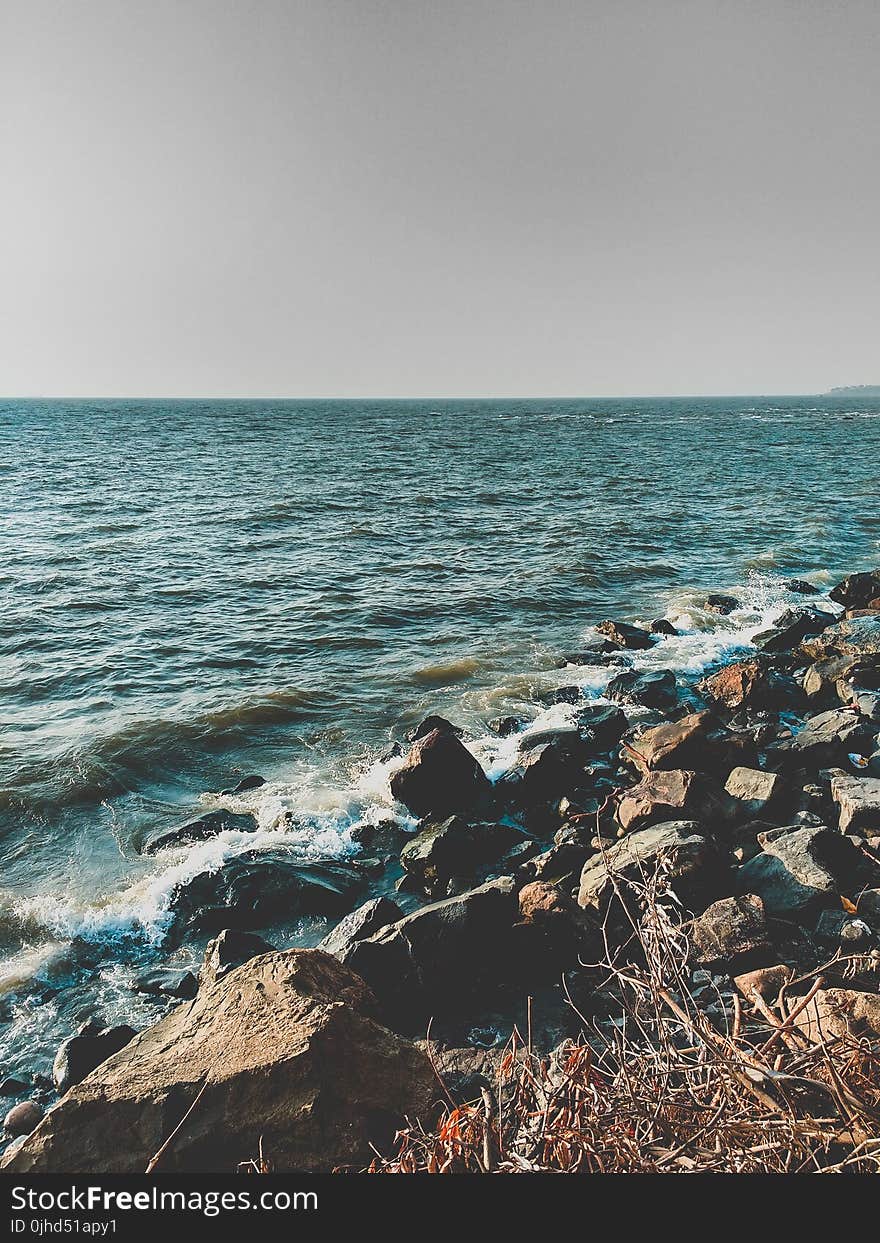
point(746, 799)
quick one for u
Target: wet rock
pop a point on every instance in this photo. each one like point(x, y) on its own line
point(732, 933)
point(79, 1055)
point(442, 955)
point(838, 1012)
point(439, 777)
point(228, 950)
point(386, 838)
point(13, 1087)
point(752, 684)
point(692, 742)
point(292, 1057)
point(857, 590)
point(165, 981)
point(843, 677)
point(602, 724)
point(431, 723)
point(800, 587)
point(23, 1118)
point(765, 981)
point(259, 888)
point(694, 867)
point(655, 689)
point(562, 695)
point(371, 917)
point(247, 783)
point(801, 873)
point(859, 801)
point(662, 626)
point(672, 794)
point(504, 726)
point(792, 628)
point(718, 602)
point(209, 825)
point(633, 638)
point(824, 740)
point(453, 847)
point(856, 636)
point(598, 651)
point(755, 791)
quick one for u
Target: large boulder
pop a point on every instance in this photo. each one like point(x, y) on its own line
point(692, 742)
point(692, 863)
point(79, 1055)
point(210, 825)
point(855, 636)
point(367, 919)
point(651, 689)
point(754, 684)
point(439, 777)
point(790, 630)
point(802, 872)
point(857, 591)
point(842, 676)
point(441, 956)
point(259, 888)
point(823, 741)
point(286, 1054)
point(859, 801)
point(454, 847)
point(671, 794)
point(229, 950)
point(754, 792)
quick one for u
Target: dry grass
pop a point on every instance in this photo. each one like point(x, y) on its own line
point(675, 1083)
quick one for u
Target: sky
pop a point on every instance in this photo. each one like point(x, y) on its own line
point(453, 198)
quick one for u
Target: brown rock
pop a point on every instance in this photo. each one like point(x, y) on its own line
point(692, 742)
point(731, 932)
point(692, 865)
point(439, 777)
point(859, 801)
point(23, 1118)
point(765, 981)
point(749, 684)
point(626, 635)
point(674, 794)
point(836, 1012)
point(290, 1054)
point(856, 590)
point(753, 790)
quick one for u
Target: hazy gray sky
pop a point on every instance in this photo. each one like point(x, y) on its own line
point(466, 197)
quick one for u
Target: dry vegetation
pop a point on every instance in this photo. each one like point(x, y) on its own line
point(666, 1087)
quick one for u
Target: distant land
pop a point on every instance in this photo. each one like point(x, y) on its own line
point(856, 390)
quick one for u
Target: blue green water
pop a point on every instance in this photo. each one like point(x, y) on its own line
point(192, 591)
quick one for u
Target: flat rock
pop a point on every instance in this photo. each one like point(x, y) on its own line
point(693, 865)
point(754, 790)
point(672, 794)
point(859, 801)
point(801, 873)
point(290, 1057)
point(207, 826)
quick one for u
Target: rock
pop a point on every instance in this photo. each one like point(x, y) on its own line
point(837, 1012)
point(431, 723)
point(662, 626)
point(752, 684)
point(247, 783)
point(732, 933)
point(656, 689)
point(801, 873)
point(443, 955)
point(800, 587)
point(754, 791)
point(668, 795)
point(868, 907)
point(602, 724)
point(844, 676)
point(597, 651)
point(453, 847)
point(229, 950)
point(855, 636)
point(387, 837)
point(792, 628)
point(562, 695)
point(439, 777)
point(718, 602)
point(13, 1087)
point(258, 888)
point(79, 1055)
point(632, 637)
point(503, 726)
point(823, 741)
point(859, 801)
point(550, 763)
point(695, 869)
point(692, 742)
point(164, 981)
point(23, 1118)
point(836, 927)
point(293, 1060)
point(367, 919)
point(857, 590)
point(765, 981)
point(209, 825)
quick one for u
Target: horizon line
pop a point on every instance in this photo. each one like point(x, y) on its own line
point(849, 389)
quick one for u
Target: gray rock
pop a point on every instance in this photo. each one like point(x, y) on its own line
point(859, 801)
point(453, 847)
point(693, 864)
point(754, 791)
point(801, 873)
point(228, 950)
point(209, 825)
point(367, 919)
point(653, 689)
point(79, 1055)
point(164, 981)
point(440, 777)
point(732, 933)
point(23, 1118)
point(625, 635)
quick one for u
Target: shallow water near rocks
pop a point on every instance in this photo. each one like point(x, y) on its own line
point(195, 591)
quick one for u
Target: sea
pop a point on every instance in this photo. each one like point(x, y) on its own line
point(192, 592)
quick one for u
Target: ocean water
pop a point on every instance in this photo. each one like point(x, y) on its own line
point(194, 591)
